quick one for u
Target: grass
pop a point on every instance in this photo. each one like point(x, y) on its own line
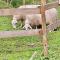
point(54, 48)
point(22, 48)
point(4, 5)
point(5, 23)
point(19, 47)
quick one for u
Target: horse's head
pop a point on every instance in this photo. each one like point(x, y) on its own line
point(14, 22)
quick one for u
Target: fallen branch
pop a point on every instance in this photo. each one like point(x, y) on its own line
point(33, 56)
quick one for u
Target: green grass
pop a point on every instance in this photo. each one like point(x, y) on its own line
point(19, 47)
point(54, 45)
point(22, 48)
point(5, 23)
point(4, 5)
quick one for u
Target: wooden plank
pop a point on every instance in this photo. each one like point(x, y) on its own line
point(18, 11)
point(51, 5)
point(15, 11)
point(6, 34)
point(45, 42)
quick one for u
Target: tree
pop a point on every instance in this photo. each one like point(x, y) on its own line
point(16, 3)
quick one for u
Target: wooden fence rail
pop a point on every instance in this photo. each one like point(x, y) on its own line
point(17, 11)
point(6, 34)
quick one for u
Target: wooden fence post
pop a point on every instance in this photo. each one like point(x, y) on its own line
point(45, 42)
